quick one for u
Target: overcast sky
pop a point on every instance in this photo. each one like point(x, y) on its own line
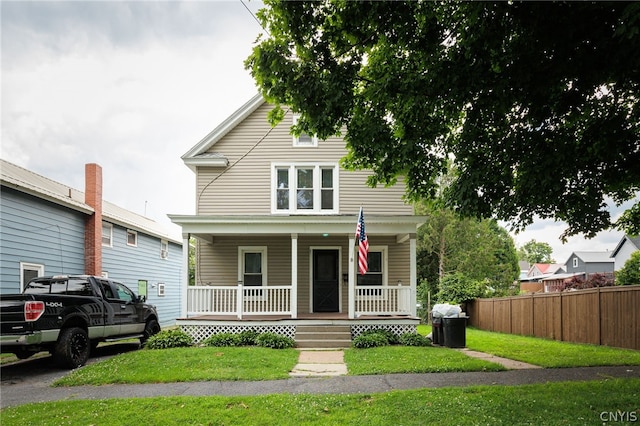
point(132, 86)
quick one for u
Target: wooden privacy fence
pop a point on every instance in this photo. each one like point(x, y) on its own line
point(602, 316)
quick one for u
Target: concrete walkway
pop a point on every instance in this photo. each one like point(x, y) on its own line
point(320, 363)
point(330, 362)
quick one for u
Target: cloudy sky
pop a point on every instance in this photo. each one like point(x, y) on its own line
point(132, 86)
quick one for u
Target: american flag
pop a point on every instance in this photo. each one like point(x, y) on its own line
point(363, 244)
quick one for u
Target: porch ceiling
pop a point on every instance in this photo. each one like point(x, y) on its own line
point(299, 224)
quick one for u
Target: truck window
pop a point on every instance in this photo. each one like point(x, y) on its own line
point(124, 293)
point(77, 287)
point(72, 287)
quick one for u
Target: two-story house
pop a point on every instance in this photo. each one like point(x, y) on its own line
point(590, 262)
point(275, 228)
point(49, 228)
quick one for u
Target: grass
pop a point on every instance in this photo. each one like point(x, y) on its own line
point(549, 353)
point(402, 359)
point(255, 363)
point(540, 404)
point(545, 352)
point(187, 364)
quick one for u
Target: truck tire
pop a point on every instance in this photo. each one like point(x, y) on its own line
point(151, 327)
point(73, 347)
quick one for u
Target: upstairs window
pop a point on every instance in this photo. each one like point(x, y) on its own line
point(304, 140)
point(305, 188)
point(164, 249)
point(132, 238)
point(107, 234)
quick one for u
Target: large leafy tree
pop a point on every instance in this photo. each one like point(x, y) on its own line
point(479, 250)
point(535, 252)
point(536, 103)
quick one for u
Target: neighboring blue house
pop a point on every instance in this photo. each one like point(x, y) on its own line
point(590, 262)
point(47, 228)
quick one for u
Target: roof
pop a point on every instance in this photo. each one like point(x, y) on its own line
point(26, 181)
point(635, 241)
point(593, 256)
point(198, 154)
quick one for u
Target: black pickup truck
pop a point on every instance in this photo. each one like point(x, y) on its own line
point(69, 315)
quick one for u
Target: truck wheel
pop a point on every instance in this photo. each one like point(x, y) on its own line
point(73, 347)
point(152, 327)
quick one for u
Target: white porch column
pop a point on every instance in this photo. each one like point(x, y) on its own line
point(294, 276)
point(239, 299)
point(413, 274)
point(352, 278)
point(184, 276)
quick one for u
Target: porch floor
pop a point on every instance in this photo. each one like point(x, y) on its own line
point(302, 317)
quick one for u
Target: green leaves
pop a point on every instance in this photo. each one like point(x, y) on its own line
point(536, 104)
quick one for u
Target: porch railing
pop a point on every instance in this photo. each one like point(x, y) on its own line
point(238, 300)
point(376, 300)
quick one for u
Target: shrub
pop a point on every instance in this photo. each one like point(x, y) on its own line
point(370, 340)
point(248, 337)
point(274, 341)
point(412, 339)
point(223, 339)
point(391, 337)
point(173, 338)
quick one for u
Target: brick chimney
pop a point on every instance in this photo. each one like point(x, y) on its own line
point(93, 225)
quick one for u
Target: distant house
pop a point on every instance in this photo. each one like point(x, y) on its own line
point(275, 230)
point(545, 269)
point(623, 250)
point(47, 228)
point(590, 262)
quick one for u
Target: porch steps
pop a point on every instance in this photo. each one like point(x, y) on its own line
point(323, 336)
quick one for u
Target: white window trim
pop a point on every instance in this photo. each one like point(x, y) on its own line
point(110, 227)
point(575, 262)
point(30, 267)
point(134, 233)
point(296, 139)
point(252, 249)
point(385, 271)
point(161, 290)
point(164, 252)
point(317, 187)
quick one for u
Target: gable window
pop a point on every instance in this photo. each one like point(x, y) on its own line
point(305, 188)
point(575, 262)
point(164, 249)
point(132, 238)
point(107, 234)
point(304, 140)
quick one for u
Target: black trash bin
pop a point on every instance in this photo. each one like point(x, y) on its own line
point(436, 331)
point(455, 332)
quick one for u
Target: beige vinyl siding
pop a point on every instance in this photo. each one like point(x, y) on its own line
point(244, 187)
point(217, 264)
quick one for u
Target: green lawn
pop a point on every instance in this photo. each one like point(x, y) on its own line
point(549, 353)
point(187, 364)
point(580, 403)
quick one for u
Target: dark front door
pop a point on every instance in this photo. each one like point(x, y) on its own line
point(326, 286)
